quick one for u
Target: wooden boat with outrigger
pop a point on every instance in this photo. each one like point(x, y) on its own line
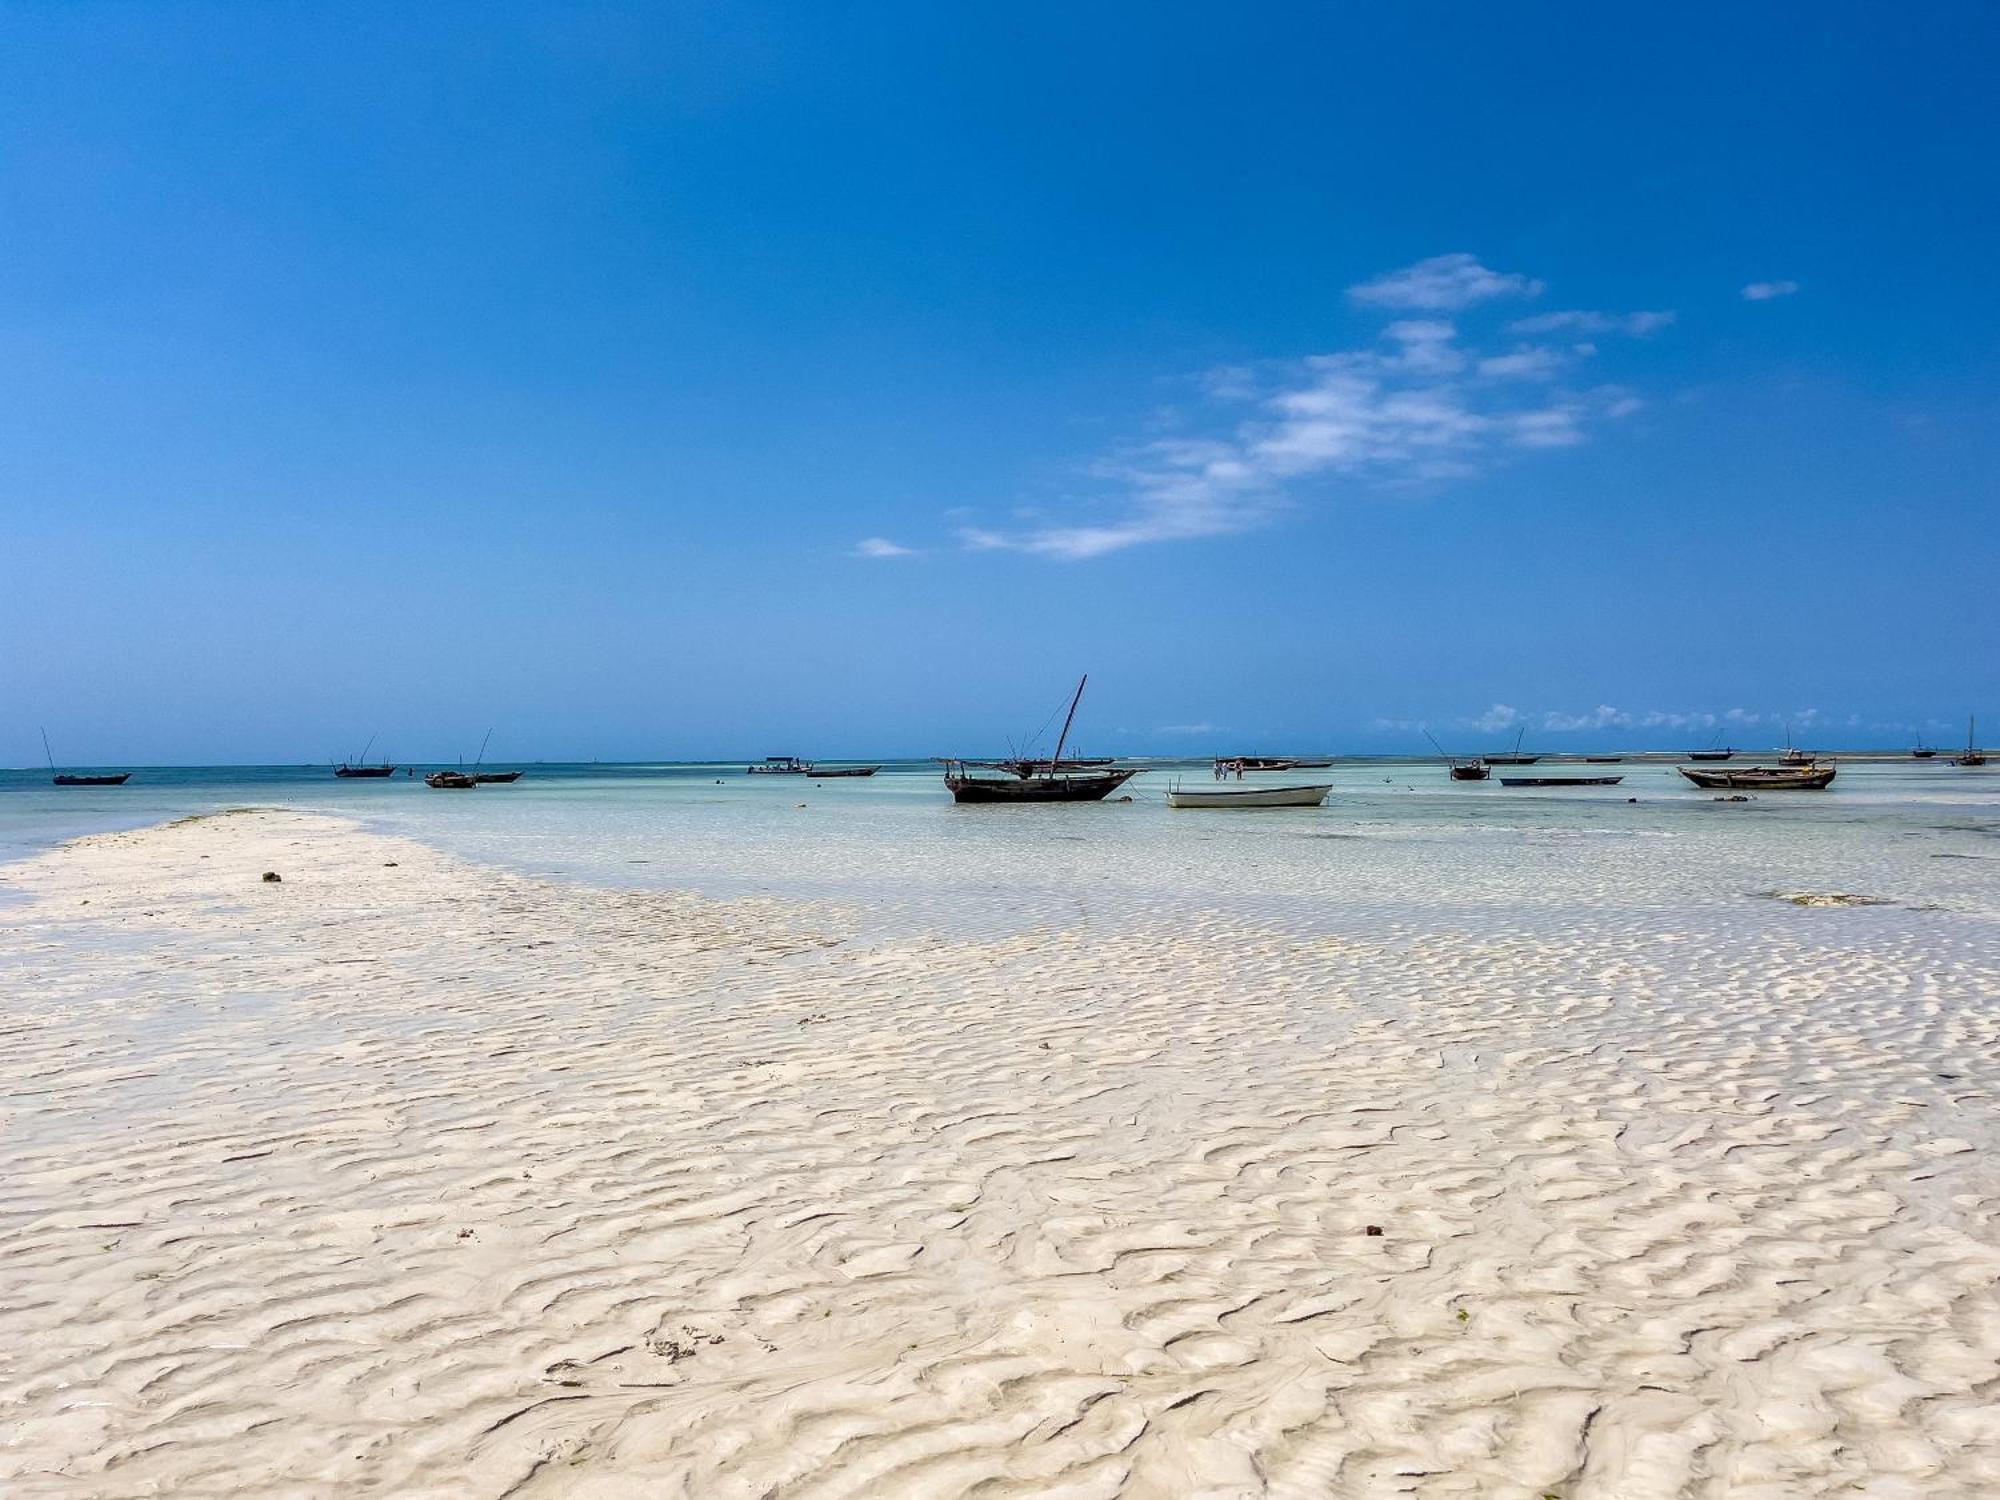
point(349, 770)
point(450, 781)
point(1546, 781)
point(1050, 783)
point(1810, 777)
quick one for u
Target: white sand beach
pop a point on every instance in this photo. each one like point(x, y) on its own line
point(408, 1176)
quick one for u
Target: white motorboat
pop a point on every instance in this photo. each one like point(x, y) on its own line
point(1249, 796)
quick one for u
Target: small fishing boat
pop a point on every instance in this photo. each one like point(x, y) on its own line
point(1971, 755)
point(74, 778)
point(1461, 768)
point(778, 765)
point(495, 778)
point(1603, 760)
point(1810, 777)
point(1249, 796)
point(1513, 757)
point(1051, 783)
point(1923, 751)
point(1794, 756)
point(1716, 751)
point(823, 773)
point(358, 767)
point(1560, 780)
point(450, 781)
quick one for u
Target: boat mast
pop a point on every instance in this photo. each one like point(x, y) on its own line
point(46, 751)
point(1062, 738)
point(482, 751)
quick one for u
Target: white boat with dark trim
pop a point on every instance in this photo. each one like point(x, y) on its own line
point(1249, 796)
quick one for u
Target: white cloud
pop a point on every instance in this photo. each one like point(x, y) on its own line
point(880, 546)
point(1500, 716)
point(1444, 283)
point(1417, 406)
point(1189, 729)
point(1764, 291)
point(1531, 362)
point(1575, 320)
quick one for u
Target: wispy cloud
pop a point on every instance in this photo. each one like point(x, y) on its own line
point(1416, 406)
point(1764, 291)
point(1189, 729)
point(1444, 283)
point(1575, 320)
point(1500, 716)
point(880, 546)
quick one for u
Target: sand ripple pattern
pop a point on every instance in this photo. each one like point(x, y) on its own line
point(406, 1177)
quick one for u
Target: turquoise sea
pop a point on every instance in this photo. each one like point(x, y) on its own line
point(1396, 840)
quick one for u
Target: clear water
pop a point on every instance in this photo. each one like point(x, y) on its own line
point(1397, 842)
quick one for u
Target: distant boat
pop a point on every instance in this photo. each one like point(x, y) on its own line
point(1972, 755)
point(778, 765)
point(1604, 760)
point(1513, 757)
point(1269, 763)
point(1794, 756)
point(71, 778)
point(1560, 780)
point(358, 766)
point(1808, 778)
point(1716, 751)
point(823, 773)
point(488, 778)
point(1052, 783)
point(451, 781)
point(1250, 796)
point(1923, 751)
point(1461, 769)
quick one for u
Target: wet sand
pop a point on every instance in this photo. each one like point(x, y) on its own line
point(405, 1176)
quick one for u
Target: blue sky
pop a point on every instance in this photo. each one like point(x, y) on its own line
point(667, 381)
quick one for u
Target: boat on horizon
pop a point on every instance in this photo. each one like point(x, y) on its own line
point(1249, 796)
point(1923, 751)
point(1051, 783)
point(358, 767)
point(1512, 757)
point(1810, 777)
point(1716, 750)
point(81, 778)
point(1972, 755)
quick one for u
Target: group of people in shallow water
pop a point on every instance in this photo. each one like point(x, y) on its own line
point(1224, 767)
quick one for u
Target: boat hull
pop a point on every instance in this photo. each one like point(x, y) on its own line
point(1560, 780)
point(1711, 754)
point(369, 773)
point(1765, 778)
point(117, 780)
point(1251, 797)
point(450, 781)
point(495, 778)
point(1470, 773)
point(1089, 787)
point(843, 772)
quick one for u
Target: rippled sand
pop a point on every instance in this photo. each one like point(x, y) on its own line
point(405, 1176)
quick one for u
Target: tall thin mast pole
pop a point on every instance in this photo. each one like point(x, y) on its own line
point(46, 751)
point(482, 751)
point(1062, 738)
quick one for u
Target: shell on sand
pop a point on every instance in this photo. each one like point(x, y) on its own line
point(406, 1176)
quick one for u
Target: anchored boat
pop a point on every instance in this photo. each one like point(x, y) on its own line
point(1560, 780)
point(1810, 777)
point(1249, 796)
point(1051, 783)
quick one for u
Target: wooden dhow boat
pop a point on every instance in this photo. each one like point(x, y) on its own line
point(1461, 768)
point(1513, 757)
point(1971, 755)
point(1716, 751)
point(1050, 783)
point(451, 781)
point(1810, 777)
point(1249, 796)
point(1560, 780)
point(358, 767)
point(495, 778)
point(80, 778)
